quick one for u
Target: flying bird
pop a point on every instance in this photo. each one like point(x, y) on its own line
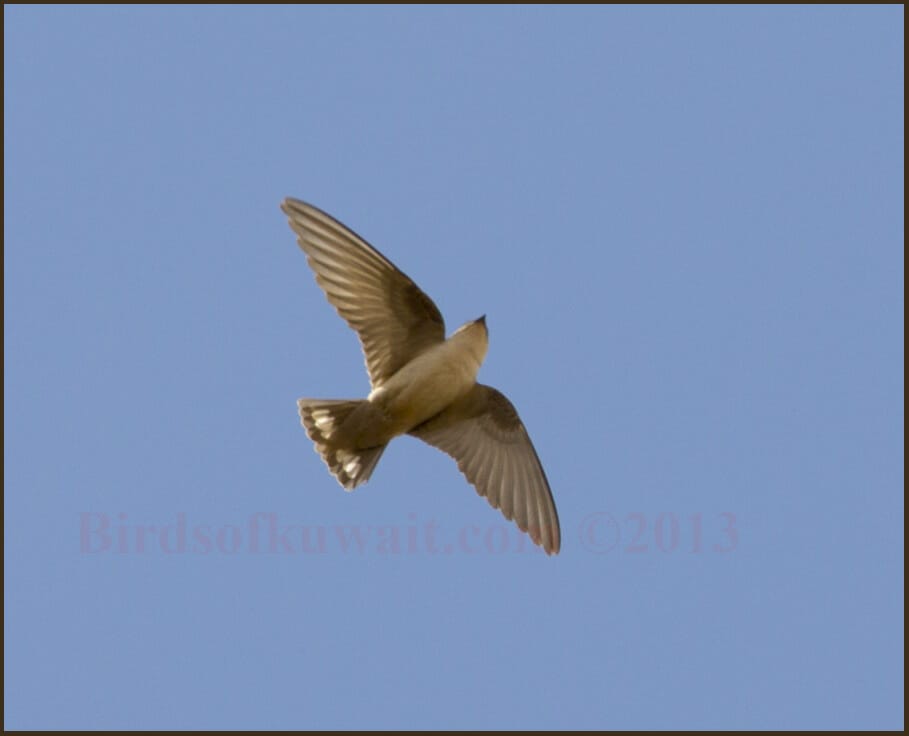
point(422, 384)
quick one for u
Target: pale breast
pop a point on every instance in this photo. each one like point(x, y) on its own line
point(426, 385)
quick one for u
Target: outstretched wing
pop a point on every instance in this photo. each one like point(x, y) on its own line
point(484, 434)
point(393, 318)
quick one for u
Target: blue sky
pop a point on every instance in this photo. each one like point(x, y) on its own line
point(685, 227)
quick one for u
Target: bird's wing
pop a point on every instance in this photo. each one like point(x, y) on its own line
point(393, 318)
point(484, 434)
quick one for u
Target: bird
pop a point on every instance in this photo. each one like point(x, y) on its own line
point(422, 383)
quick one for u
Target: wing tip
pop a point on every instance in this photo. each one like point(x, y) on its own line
point(287, 206)
point(547, 537)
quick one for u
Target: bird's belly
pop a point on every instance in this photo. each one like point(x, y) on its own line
point(425, 386)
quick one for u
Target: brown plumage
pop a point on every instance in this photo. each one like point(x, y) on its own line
point(422, 384)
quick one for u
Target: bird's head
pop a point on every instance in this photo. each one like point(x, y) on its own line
point(476, 335)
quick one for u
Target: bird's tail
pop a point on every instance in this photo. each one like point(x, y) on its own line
point(322, 418)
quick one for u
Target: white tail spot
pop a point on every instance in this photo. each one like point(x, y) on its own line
point(350, 462)
point(323, 421)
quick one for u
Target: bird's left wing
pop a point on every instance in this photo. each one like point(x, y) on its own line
point(484, 434)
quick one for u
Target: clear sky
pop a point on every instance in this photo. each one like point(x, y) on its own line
point(685, 227)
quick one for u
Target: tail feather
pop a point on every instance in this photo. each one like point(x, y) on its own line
point(322, 418)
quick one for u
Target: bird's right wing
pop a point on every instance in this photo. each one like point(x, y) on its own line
point(393, 318)
point(484, 434)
